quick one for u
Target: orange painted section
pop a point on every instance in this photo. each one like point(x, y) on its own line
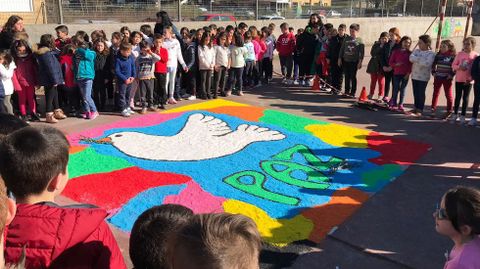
point(76, 149)
point(248, 113)
point(343, 203)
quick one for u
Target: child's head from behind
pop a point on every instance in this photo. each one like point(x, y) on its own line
point(68, 50)
point(216, 241)
point(406, 42)
point(151, 232)
point(238, 40)
point(125, 49)
point(79, 42)
point(9, 124)
point(247, 37)
point(424, 42)
point(284, 28)
point(33, 162)
point(20, 48)
point(83, 35)
point(354, 29)
point(459, 213)
point(116, 39)
point(46, 41)
point(469, 44)
point(98, 34)
point(447, 46)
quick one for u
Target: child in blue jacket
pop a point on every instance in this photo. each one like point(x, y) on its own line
point(125, 72)
point(84, 75)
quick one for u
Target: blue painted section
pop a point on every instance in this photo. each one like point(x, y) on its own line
point(127, 215)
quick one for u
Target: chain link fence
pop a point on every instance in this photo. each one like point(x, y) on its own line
point(91, 11)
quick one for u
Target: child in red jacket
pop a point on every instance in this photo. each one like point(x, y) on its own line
point(70, 87)
point(285, 47)
point(33, 164)
point(160, 92)
point(25, 79)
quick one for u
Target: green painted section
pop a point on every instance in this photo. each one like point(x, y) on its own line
point(288, 121)
point(383, 173)
point(89, 162)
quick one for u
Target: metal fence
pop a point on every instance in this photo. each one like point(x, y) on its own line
point(84, 11)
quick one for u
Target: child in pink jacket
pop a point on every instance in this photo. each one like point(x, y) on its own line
point(463, 79)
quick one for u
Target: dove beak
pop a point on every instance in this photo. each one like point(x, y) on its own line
point(105, 140)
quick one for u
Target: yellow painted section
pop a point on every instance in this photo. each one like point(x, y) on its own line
point(340, 135)
point(279, 232)
point(205, 105)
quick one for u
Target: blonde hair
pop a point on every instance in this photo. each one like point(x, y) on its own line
point(217, 241)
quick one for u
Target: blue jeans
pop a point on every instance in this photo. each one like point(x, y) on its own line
point(419, 88)
point(399, 85)
point(124, 95)
point(85, 86)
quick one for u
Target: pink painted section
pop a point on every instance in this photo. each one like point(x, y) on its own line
point(143, 121)
point(195, 198)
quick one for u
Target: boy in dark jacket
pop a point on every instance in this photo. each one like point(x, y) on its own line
point(351, 58)
point(33, 163)
point(189, 78)
point(336, 71)
point(125, 72)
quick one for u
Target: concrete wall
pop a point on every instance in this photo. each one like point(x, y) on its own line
point(370, 28)
point(28, 17)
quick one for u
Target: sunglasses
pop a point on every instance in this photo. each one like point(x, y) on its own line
point(441, 213)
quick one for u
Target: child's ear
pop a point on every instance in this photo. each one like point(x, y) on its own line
point(58, 183)
point(465, 230)
point(12, 210)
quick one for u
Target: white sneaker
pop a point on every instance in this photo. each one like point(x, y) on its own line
point(295, 82)
point(462, 120)
point(303, 83)
point(125, 113)
point(186, 96)
point(472, 122)
point(309, 82)
point(130, 111)
point(453, 118)
point(284, 81)
point(192, 97)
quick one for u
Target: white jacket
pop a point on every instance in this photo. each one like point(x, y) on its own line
point(422, 64)
point(206, 58)
point(6, 75)
point(174, 53)
point(222, 54)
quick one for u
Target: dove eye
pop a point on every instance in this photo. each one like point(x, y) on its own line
point(118, 135)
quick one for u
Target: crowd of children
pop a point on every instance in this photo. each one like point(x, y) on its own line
point(84, 74)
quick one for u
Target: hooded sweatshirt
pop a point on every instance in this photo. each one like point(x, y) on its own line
point(62, 237)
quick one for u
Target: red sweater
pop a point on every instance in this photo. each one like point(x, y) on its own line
point(286, 44)
point(400, 56)
point(161, 66)
point(62, 237)
point(66, 61)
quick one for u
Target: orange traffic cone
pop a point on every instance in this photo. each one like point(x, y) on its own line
point(363, 95)
point(316, 84)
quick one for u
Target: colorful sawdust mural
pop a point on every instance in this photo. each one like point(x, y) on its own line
point(297, 178)
point(451, 28)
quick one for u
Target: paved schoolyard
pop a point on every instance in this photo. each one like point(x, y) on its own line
point(394, 228)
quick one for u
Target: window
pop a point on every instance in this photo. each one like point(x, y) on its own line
point(16, 6)
point(225, 18)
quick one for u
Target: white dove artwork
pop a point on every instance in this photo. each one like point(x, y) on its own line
point(203, 137)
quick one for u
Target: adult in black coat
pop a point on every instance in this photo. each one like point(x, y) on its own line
point(13, 25)
point(163, 20)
